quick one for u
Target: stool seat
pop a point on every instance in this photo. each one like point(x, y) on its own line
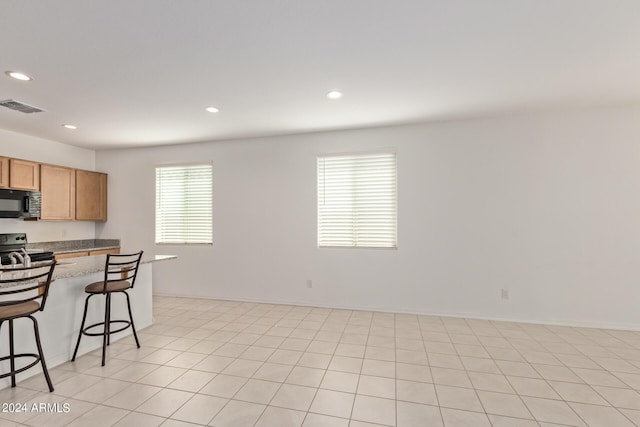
point(98, 287)
point(18, 310)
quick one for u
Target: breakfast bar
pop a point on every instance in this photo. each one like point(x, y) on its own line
point(60, 321)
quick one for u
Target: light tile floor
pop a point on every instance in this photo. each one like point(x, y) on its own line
point(223, 363)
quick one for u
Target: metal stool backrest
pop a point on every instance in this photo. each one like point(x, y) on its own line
point(121, 267)
point(26, 284)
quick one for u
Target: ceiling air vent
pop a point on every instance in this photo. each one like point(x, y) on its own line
point(20, 106)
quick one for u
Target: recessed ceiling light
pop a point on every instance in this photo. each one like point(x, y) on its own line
point(70, 126)
point(18, 75)
point(212, 109)
point(334, 94)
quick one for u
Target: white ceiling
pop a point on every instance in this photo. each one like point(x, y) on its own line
point(138, 73)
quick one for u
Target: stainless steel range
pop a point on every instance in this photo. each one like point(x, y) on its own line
point(13, 243)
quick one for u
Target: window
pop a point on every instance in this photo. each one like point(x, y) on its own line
point(184, 204)
point(357, 199)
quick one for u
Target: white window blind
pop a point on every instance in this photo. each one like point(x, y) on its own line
point(357, 200)
point(184, 204)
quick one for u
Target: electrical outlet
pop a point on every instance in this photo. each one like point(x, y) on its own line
point(309, 283)
point(504, 293)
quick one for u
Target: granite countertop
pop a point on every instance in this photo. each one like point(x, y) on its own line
point(83, 266)
point(66, 246)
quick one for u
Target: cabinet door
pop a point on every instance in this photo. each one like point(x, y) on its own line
point(24, 175)
point(91, 196)
point(58, 188)
point(72, 255)
point(113, 251)
point(4, 172)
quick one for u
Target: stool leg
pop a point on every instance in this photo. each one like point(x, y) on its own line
point(105, 332)
point(44, 365)
point(109, 319)
point(131, 318)
point(12, 354)
point(84, 318)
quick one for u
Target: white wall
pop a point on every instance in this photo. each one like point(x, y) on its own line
point(26, 147)
point(544, 205)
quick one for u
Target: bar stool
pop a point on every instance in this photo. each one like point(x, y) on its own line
point(25, 286)
point(119, 275)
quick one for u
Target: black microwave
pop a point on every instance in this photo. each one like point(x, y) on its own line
point(19, 204)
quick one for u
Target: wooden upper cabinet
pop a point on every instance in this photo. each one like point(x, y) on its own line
point(58, 188)
point(4, 172)
point(91, 196)
point(67, 194)
point(24, 175)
